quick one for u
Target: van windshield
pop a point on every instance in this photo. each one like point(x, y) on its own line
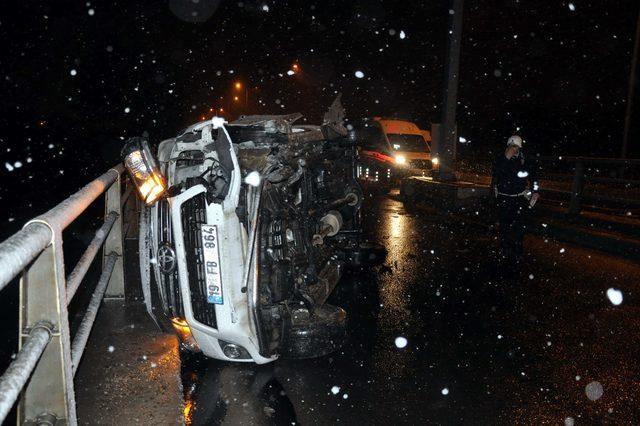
point(411, 143)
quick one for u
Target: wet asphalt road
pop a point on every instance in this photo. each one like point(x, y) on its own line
point(484, 346)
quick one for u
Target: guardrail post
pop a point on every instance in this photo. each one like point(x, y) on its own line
point(113, 243)
point(49, 392)
point(576, 188)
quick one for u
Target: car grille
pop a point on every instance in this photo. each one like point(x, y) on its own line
point(420, 164)
point(169, 281)
point(194, 214)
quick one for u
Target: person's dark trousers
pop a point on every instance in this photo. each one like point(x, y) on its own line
point(511, 218)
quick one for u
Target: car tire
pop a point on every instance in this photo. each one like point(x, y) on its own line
point(314, 335)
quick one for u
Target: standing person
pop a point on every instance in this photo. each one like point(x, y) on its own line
point(515, 188)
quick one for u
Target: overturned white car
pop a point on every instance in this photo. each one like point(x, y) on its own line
point(247, 231)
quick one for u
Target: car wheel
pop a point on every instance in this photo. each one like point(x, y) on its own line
point(312, 335)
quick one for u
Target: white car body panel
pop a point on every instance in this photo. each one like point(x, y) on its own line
point(234, 317)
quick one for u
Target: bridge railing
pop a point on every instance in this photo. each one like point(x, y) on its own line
point(601, 183)
point(41, 375)
point(586, 170)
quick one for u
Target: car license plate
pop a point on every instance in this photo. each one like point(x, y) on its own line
point(211, 253)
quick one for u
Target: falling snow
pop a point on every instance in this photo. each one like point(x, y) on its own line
point(615, 296)
point(61, 132)
point(594, 391)
point(401, 342)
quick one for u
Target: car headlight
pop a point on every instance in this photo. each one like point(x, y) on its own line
point(435, 161)
point(400, 159)
point(143, 170)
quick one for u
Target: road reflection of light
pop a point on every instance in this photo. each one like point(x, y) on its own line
point(162, 362)
point(397, 229)
point(397, 226)
point(400, 235)
point(235, 394)
point(188, 411)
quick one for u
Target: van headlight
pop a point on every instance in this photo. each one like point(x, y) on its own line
point(143, 169)
point(401, 160)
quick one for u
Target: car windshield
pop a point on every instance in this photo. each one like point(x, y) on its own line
point(411, 143)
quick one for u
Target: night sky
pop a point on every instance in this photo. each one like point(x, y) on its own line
point(78, 77)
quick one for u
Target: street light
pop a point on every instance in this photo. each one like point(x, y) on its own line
point(295, 69)
point(238, 86)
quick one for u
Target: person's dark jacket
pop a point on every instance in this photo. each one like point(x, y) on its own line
point(512, 176)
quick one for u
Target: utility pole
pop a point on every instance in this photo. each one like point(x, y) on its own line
point(632, 85)
point(447, 136)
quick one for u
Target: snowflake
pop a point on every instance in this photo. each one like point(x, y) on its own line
point(401, 342)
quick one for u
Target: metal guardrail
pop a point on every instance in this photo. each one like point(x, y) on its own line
point(580, 176)
point(595, 160)
point(47, 360)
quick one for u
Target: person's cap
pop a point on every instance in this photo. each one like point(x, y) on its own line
point(515, 140)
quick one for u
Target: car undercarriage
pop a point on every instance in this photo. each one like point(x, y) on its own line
point(259, 221)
